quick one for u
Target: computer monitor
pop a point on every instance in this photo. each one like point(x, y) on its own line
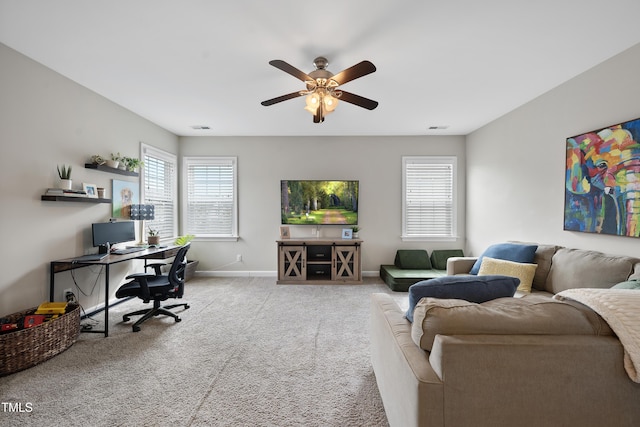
point(106, 234)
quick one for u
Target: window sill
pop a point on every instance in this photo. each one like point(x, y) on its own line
point(429, 238)
point(217, 238)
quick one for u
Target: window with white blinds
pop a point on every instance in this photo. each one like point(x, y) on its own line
point(160, 188)
point(210, 208)
point(429, 204)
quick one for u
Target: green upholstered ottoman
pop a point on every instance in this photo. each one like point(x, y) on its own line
point(399, 279)
point(414, 265)
point(439, 257)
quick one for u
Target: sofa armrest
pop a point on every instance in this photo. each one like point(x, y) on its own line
point(548, 380)
point(410, 389)
point(460, 265)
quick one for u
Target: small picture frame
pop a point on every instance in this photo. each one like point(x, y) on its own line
point(347, 233)
point(90, 189)
point(284, 232)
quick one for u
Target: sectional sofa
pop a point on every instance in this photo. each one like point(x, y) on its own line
point(530, 361)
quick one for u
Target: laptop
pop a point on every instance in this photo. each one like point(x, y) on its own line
point(90, 257)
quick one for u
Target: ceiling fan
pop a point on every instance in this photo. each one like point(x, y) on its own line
point(322, 87)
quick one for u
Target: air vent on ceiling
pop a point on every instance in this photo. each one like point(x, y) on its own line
point(199, 127)
point(438, 127)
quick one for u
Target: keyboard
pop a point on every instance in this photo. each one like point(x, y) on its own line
point(127, 251)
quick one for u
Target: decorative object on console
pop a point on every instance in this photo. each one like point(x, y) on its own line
point(64, 173)
point(284, 232)
point(322, 87)
point(347, 233)
point(601, 176)
point(355, 229)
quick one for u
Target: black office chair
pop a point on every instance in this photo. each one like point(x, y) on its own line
point(157, 287)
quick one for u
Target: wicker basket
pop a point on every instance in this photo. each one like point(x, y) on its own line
point(25, 348)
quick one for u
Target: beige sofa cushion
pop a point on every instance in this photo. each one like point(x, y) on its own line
point(531, 315)
point(543, 257)
point(578, 268)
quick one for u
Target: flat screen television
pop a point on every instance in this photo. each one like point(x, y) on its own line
point(109, 233)
point(313, 202)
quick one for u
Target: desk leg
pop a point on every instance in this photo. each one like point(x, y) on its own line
point(51, 283)
point(106, 301)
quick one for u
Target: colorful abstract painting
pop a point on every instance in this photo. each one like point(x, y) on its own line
point(602, 181)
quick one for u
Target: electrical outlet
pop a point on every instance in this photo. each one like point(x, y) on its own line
point(238, 258)
point(65, 292)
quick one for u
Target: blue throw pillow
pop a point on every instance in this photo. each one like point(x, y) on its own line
point(469, 288)
point(507, 251)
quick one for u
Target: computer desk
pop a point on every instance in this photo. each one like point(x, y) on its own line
point(71, 264)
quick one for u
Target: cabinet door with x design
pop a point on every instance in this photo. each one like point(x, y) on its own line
point(292, 263)
point(345, 263)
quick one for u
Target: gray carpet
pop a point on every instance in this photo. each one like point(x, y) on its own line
point(247, 353)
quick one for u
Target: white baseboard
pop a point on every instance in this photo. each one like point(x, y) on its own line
point(236, 273)
point(245, 273)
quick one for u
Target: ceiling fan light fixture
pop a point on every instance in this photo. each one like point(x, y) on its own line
point(322, 87)
point(321, 97)
point(330, 103)
point(313, 102)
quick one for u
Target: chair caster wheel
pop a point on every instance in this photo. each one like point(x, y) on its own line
point(136, 328)
point(125, 319)
point(186, 306)
point(178, 319)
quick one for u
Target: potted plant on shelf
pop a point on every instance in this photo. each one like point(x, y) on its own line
point(132, 163)
point(192, 264)
point(64, 173)
point(115, 161)
point(153, 238)
point(355, 230)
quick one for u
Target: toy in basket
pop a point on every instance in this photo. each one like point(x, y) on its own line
point(32, 336)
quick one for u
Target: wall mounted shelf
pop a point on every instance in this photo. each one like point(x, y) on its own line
point(106, 168)
point(48, 198)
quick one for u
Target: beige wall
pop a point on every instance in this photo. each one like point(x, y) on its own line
point(47, 120)
point(515, 165)
point(263, 161)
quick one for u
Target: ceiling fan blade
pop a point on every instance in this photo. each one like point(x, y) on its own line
point(281, 98)
point(361, 69)
point(358, 100)
point(290, 69)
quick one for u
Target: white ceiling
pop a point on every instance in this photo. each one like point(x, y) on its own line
point(454, 63)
